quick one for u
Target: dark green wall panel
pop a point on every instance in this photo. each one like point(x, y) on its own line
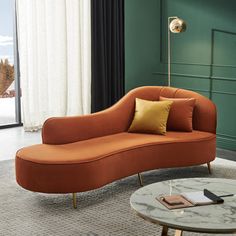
point(224, 42)
point(203, 58)
point(225, 104)
point(226, 128)
point(225, 87)
point(142, 35)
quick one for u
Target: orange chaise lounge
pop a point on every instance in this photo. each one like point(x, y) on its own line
point(86, 152)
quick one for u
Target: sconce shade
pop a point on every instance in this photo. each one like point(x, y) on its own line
point(177, 26)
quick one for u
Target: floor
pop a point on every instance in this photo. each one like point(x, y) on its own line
point(13, 139)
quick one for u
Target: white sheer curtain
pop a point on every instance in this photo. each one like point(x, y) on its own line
point(55, 58)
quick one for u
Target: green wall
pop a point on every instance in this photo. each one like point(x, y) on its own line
point(141, 40)
point(203, 58)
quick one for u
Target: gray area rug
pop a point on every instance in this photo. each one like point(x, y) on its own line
point(102, 212)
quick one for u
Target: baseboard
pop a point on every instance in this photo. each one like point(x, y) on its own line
point(226, 154)
point(226, 143)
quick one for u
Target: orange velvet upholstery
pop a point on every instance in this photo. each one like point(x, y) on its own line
point(87, 152)
point(181, 113)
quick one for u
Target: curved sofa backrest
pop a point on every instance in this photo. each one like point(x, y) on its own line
point(204, 114)
point(118, 117)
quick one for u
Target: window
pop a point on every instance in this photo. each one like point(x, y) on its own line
point(9, 82)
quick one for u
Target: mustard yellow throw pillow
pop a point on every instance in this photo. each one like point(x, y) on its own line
point(150, 117)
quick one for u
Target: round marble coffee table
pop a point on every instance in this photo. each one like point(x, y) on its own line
point(218, 218)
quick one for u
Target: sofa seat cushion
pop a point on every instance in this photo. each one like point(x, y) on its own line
point(90, 164)
point(98, 148)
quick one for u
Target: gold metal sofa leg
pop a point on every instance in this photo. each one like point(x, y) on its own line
point(140, 179)
point(209, 168)
point(74, 201)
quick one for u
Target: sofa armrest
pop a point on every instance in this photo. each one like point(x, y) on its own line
point(116, 119)
point(61, 130)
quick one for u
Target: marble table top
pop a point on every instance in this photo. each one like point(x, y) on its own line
point(216, 218)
